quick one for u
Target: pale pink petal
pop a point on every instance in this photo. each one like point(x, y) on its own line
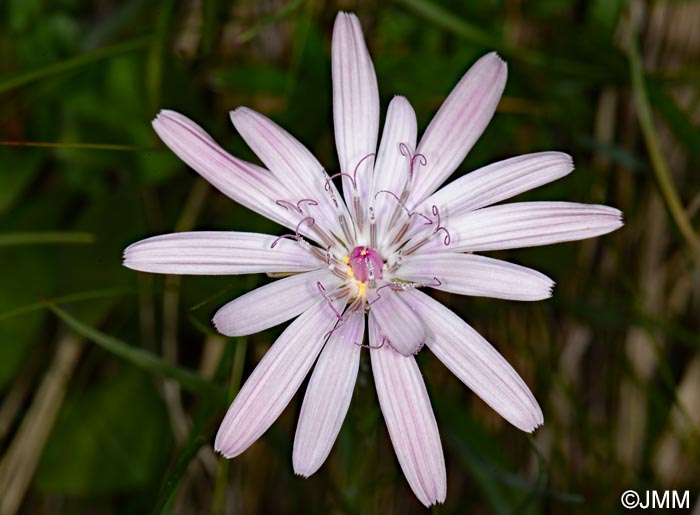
point(297, 170)
point(469, 274)
point(499, 181)
point(274, 381)
point(398, 323)
point(526, 224)
point(355, 105)
point(273, 303)
point(477, 364)
point(328, 396)
point(410, 420)
point(247, 184)
point(393, 161)
point(459, 123)
point(217, 253)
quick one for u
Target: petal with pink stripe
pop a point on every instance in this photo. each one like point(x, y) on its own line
point(274, 381)
point(481, 276)
point(409, 419)
point(273, 303)
point(477, 364)
point(393, 166)
point(459, 123)
point(297, 170)
point(247, 184)
point(328, 396)
point(355, 106)
point(397, 321)
point(217, 253)
point(525, 224)
point(499, 181)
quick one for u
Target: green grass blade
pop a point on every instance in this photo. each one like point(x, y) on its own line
point(658, 162)
point(65, 299)
point(446, 20)
point(81, 146)
point(141, 358)
point(24, 78)
point(40, 238)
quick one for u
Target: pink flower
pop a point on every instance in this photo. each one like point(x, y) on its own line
point(368, 253)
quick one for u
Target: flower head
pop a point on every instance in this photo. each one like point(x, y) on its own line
point(366, 255)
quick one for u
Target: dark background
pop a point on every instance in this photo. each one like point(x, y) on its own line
point(88, 422)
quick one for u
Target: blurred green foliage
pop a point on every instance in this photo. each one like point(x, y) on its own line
point(84, 79)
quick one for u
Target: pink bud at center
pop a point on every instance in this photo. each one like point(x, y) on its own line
point(364, 262)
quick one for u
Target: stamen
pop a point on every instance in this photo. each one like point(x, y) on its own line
point(332, 194)
point(409, 213)
point(372, 228)
point(358, 210)
point(405, 151)
point(370, 272)
point(397, 264)
point(309, 201)
point(422, 160)
point(349, 240)
point(295, 236)
point(354, 307)
point(357, 167)
point(322, 290)
point(378, 295)
point(298, 208)
point(339, 273)
point(318, 253)
point(368, 346)
point(287, 205)
point(340, 174)
point(439, 228)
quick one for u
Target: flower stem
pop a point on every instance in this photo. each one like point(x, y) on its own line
point(218, 502)
point(658, 163)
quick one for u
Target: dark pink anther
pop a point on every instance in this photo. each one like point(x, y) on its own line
point(362, 259)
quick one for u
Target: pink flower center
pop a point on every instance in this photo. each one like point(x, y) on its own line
point(364, 260)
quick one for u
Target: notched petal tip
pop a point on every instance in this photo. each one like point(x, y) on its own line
point(216, 322)
point(539, 423)
point(223, 449)
point(496, 55)
point(345, 15)
point(238, 112)
point(621, 217)
point(532, 419)
point(435, 502)
point(164, 116)
point(128, 257)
